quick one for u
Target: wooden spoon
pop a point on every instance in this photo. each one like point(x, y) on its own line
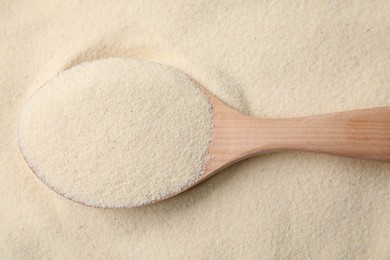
point(361, 134)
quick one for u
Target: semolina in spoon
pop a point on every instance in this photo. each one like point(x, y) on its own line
point(117, 133)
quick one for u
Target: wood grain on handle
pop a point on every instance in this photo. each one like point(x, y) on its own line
point(361, 133)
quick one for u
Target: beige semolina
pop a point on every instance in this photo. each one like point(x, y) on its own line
point(264, 58)
point(117, 132)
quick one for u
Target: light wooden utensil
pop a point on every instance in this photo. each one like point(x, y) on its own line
point(361, 134)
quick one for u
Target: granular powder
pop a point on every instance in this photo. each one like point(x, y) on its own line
point(117, 132)
point(264, 58)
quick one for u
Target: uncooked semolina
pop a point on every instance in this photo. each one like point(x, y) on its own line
point(117, 132)
point(270, 59)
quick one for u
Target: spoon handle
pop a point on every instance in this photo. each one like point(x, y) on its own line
point(361, 133)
